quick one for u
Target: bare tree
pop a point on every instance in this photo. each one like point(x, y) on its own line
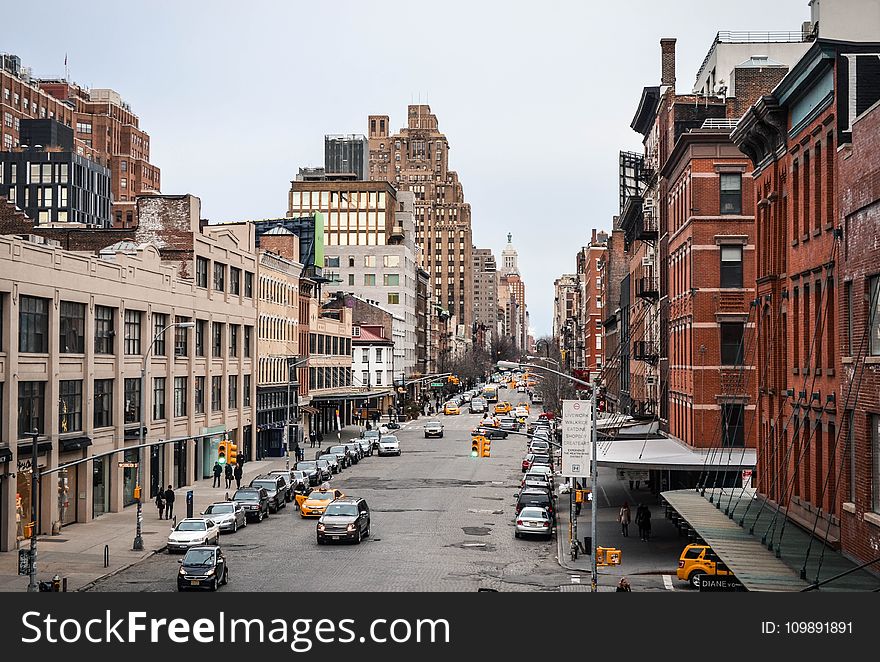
point(551, 387)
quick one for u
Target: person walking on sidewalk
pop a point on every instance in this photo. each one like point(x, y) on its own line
point(160, 503)
point(237, 473)
point(623, 517)
point(229, 475)
point(169, 501)
point(643, 521)
point(217, 471)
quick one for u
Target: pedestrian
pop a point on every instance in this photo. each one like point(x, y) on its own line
point(623, 586)
point(217, 471)
point(237, 473)
point(643, 521)
point(311, 440)
point(623, 517)
point(229, 476)
point(169, 501)
point(646, 519)
point(160, 503)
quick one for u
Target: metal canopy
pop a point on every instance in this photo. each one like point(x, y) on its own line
point(634, 452)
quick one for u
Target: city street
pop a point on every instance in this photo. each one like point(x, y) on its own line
point(441, 521)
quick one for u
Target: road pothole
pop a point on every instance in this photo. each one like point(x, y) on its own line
point(476, 530)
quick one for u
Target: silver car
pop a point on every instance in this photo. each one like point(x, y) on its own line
point(533, 521)
point(389, 445)
point(332, 460)
point(433, 429)
point(228, 515)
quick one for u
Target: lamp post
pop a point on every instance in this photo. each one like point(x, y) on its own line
point(290, 366)
point(138, 544)
point(32, 556)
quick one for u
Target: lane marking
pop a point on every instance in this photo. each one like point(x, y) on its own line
point(575, 579)
point(667, 582)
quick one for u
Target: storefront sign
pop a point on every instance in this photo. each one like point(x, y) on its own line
point(25, 465)
point(719, 584)
point(128, 465)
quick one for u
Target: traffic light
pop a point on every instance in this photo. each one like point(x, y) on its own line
point(137, 493)
point(487, 447)
point(232, 453)
point(477, 446)
point(222, 451)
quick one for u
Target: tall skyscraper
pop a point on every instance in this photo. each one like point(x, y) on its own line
point(346, 155)
point(516, 324)
point(485, 296)
point(416, 159)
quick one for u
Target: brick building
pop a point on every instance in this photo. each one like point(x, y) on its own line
point(614, 376)
point(485, 274)
point(589, 352)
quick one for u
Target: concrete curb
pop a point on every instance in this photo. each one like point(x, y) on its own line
point(90, 584)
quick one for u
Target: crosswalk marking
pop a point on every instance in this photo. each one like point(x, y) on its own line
point(667, 582)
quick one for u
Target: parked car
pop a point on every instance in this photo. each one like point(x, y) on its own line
point(478, 406)
point(433, 429)
point(325, 469)
point(697, 560)
point(285, 475)
point(539, 446)
point(275, 489)
point(373, 436)
point(490, 432)
point(356, 452)
point(542, 458)
point(346, 518)
point(334, 462)
point(535, 497)
point(317, 501)
point(203, 566)
point(389, 445)
point(533, 520)
point(537, 479)
point(508, 423)
point(193, 531)
point(301, 483)
point(366, 446)
point(228, 515)
point(310, 468)
point(343, 453)
point(254, 500)
point(527, 462)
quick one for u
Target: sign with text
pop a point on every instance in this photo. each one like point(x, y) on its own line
point(577, 437)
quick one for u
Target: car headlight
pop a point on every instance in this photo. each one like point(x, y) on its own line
point(350, 527)
point(320, 527)
point(210, 572)
point(182, 571)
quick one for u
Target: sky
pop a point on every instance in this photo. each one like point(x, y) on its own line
point(535, 98)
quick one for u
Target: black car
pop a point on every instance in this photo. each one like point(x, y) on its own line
point(356, 450)
point(288, 482)
point(344, 454)
point(202, 567)
point(490, 432)
point(301, 483)
point(366, 447)
point(310, 467)
point(346, 518)
point(276, 489)
point(325, 469)
point(532, 496)
point(254, 500)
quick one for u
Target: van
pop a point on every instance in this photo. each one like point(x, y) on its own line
point(698, 559)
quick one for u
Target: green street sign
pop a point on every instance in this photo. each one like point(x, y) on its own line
point(437, 384)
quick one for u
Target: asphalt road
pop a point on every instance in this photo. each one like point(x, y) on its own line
point(441, 521)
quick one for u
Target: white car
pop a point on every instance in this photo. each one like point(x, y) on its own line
point(193, 531)
point(521, 412)
point(389, 445)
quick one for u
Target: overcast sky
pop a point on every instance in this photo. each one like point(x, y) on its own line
point(535, 97)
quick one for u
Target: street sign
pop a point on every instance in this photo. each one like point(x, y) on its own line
point(577, 438)
point(436, 384)
point(128, 465)
point(24, 561)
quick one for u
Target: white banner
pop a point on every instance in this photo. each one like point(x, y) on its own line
point(577, 437)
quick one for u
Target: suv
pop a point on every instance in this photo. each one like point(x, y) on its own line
point(275, 488)
point(346, 518)
point(531, 496)
point(355, 450)
point(697, 560)
point(478, 406)
point(284, 475)
point(344, 455)
point(254, 500)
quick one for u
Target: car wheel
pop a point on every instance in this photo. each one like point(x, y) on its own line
point(694, 579)
point(320, 540)
point(367, 532)
point(357, 538)
point(260, 516)
point(235, 526)
point(214, 584)
point(225, 579)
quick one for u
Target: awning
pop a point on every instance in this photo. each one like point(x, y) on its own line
point(308, 410)
point(633, 452)
point(25, 447)
point(5, 454)
point(350, 395)
point(73, 443)
point(717, 522)
point(133, 433)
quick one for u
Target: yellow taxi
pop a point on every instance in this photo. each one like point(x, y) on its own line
point(503, 408)
point(315, 503)
point(696, 560)
point(451, 409)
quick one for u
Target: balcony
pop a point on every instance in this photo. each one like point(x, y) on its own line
point(647, 351)
point(638, 220)
point(648, 288)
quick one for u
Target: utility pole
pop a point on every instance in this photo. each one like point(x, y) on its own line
point(32, 558)
point(594, 476)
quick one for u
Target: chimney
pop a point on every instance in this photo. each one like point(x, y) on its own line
point(594, 237)
point(667, 61)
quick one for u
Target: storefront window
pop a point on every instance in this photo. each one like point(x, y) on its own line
point(23, 505)
point(129, 476)
point(67, 495)
point(100, 486)
point(157, 469)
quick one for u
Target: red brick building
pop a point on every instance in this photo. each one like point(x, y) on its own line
point(793, 137)
point(589, 352)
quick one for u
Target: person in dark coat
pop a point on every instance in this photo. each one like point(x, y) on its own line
point(169, 502)
point(160, 503)
point(229, 475)
point(643, 521)
point(237, 473)
point(217, 471)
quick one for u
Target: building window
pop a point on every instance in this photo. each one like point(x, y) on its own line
point(103, 415)
point(391, 280)
point(160, 322)
point(217, 340)
point(200, 337)
point(391, 260)
point(181, 337)
point(233, 391)
point(313, 343)
point(874, 315)
point(369, 261)
point(365, 378)
point(180, 396)
point(104, 330)
point(733, 432)
point(216, 393)
point(132, 403)
point(731, 343)
point(219, 277)
point(847, 294)
point(249, 284)
point(378, 378)
point(378, 355)
point(201, 272)
point(70, 406)
point(875, 470)
point(246, 388)
point(33, 325)
point(248, 334)
point(158, 398)
point(199, 395)
point(132, 324)
point(71, 332)
point(233, 340)
point(394, 297)
point(731, 266)
point(31, 408)
point(731, 193)
point(369, 279)
point(234, 280)
point(331, 261)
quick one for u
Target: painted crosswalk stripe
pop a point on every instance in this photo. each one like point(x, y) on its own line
point(667, 582)
point(575, 579)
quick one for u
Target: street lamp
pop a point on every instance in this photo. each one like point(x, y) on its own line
point(32, 556)
point(594, 469)
point(290, 366)
point(138, 544)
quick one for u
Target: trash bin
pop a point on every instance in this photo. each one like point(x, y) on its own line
point(189, 503)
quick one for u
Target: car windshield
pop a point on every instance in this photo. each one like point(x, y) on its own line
point(270, 485)
point(299, 475)
point(329, 458)
point(191, 526)
point(337, 449)
point(246, 496)
point(371, 433)
point(321, 496)
point(322, 463)
point(306, 466)
point(432, 424)
point(342, 509)
point(219, 509)
point(389, 439)
point(537, 513)
point(199, 557)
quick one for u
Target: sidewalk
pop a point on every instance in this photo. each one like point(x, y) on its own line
point(77, 553)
